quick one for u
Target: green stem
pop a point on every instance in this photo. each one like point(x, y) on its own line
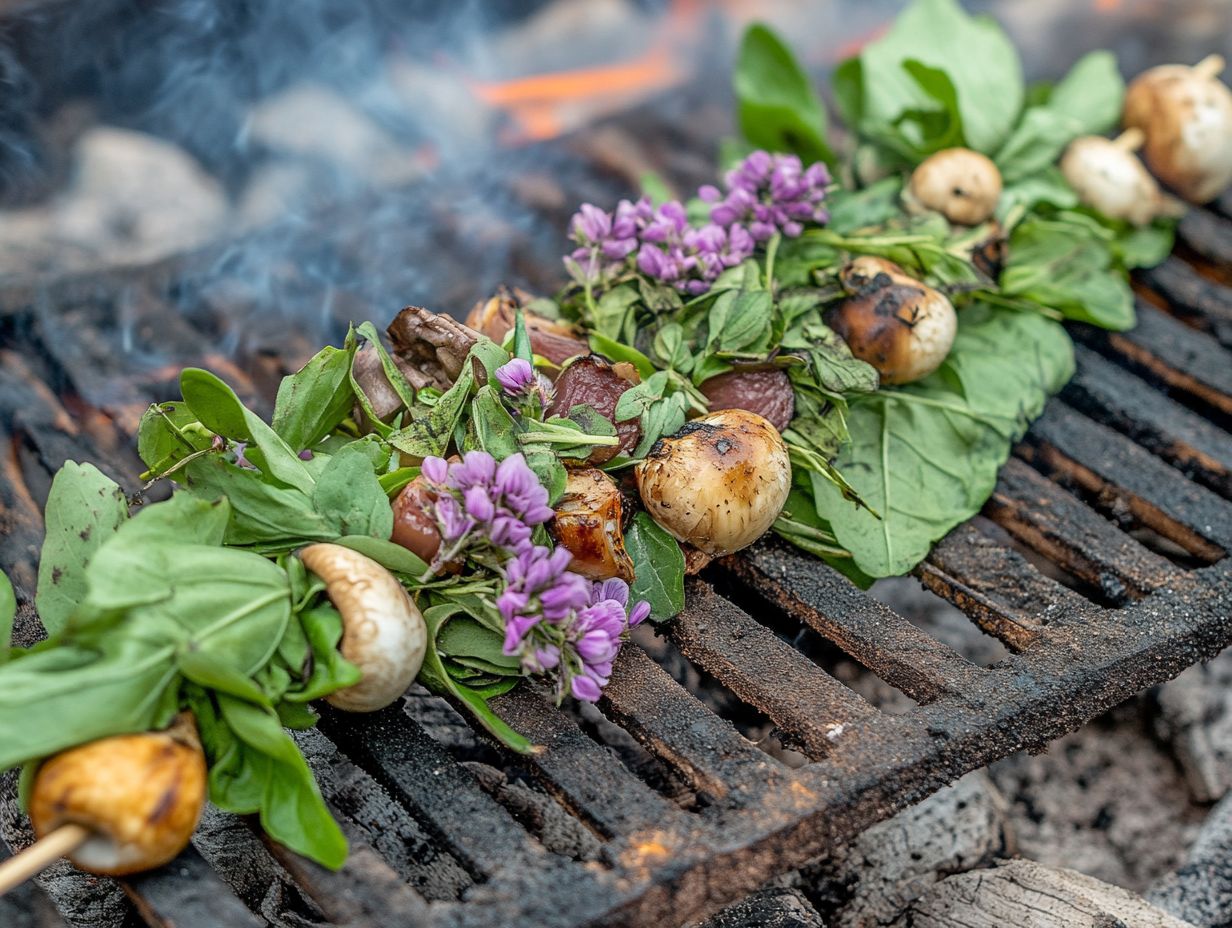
point(772, 248)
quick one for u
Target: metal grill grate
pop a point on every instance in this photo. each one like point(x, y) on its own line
point(1124, 487)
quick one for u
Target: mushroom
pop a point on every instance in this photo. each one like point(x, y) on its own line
point(766, 392)
point(587, 524)
point(414, 526)
point(1186, 115)
point(961, 184)
point(383, 633)
point(719, 483)
point(555, 341)
point(1108, 177)
point(132, 801)
point(898, 325)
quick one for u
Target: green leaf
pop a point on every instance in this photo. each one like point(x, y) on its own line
point(260, 512)
point(615, 351)
point(494, 427)
point(169, 433)
point(464, 637)
point(1144, 246)
point(207, 671)
point(84, 509)
point(393, 373)
point(429, 433)
point(980, 61)
point(851, 210)
point(349, 497)
point(521, 339)
point(291, 807)
point(220, 410)
point(60, 697)
point(738, 319)
point(1036, 142)
point(8, 611)
point(638, 398)
point(1046, 186)
point(322, 628)
point(611, 313)
point(925, 456)
point(658, 566)
point(1066, 266)
point(312, 402)
point(777, 107)
point(389, 555)
point(1091, 95)
point(935, 126)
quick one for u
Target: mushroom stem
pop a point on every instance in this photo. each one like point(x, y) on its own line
point(1130, 139)
point(41, 854)
point(1210, 66)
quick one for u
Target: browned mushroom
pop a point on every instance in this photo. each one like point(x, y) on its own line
point(555, 341)
point(132, 800)
point(766, 392)
point(588, 525)
point(433, 345)
point(414, 526)
point(595, 382)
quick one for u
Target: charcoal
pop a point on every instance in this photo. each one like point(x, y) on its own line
point(1195, 719)
point(874, 879)
point(1027, 894)
point(770, 908)
point(1200, 891)
point(555, 828)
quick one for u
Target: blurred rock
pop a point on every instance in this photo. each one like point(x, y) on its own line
point(1025, 894)
point(133, 198)
point(1195, 718)
point(311, 121)
point(1200, 892)
point(875, 879)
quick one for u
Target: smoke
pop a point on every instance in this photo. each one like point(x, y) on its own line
point(357, 174)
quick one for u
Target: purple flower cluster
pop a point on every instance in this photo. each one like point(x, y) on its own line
point(558, 622)
point(482, 506)
point(768, 194)
point(659, 239)
point(765, 194)
point(517, 378)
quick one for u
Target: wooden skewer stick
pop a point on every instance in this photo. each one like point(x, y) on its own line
point(40, 855)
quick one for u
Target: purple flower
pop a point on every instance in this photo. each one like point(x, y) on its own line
point(605, 240)
point(563, 626)
point(484, 510)
point(517, 378)
point(770, 193)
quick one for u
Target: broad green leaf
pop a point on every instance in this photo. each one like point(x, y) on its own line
point(974, 53)
point(615, 351)
point(1036, 142)
point(209, 672)
point(851, 210)
point(349, 497)
point(322, 627)
point(8, 611)
point(1091, 95)
point(169, 433)
point(391, 556)
point(495, 430)
point(291, 807)
point(464, 637)
point(220, 410)
point(1046, 186)
point(777, 107)
point(261, 512)
point(229, 603)
point(1066, 266)
point(638, 398)
point(393, 373)
point(84, 509)
point(658, 566)
point(925, 456)
point(1144, 246)
point(312, 402)
point(521, 339)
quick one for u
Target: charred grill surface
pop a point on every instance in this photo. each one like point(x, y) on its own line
point(1123, 487)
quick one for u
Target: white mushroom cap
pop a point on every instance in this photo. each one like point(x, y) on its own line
point(1186, 116)
point(383, 633)
point(961, 184)
point(719, 483)
point(140, 796)
point(1107, 176)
